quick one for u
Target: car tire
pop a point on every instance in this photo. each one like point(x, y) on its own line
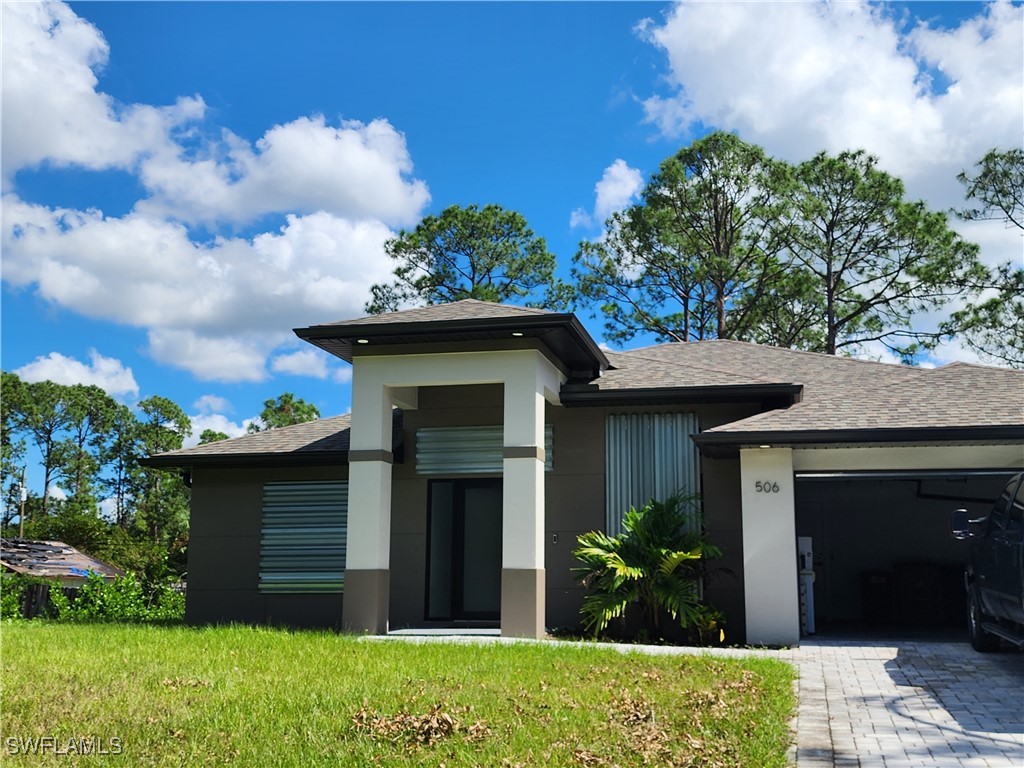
point(981, 640)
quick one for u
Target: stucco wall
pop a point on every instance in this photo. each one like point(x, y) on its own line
point(574, 500)
point(224, 550)
point(227, 503)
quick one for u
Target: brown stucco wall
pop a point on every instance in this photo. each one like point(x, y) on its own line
point(574, 500)
point(226, 511)
point(224, 549)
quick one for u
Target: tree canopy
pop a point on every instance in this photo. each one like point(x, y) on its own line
point(284, 411)
point(991, 325)
point(484, 253)
point(997, 187)
point(729, 243)
point(700, 256)
point(89, 447)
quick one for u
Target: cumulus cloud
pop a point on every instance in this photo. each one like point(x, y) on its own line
point(354, 170)
point(617, 189)
point(218, 423)
point(215, 300)
point(215, 309)
point(211, 404)
point(803, 77)
point(52, 111)
point(306, 362)
point(107, 373)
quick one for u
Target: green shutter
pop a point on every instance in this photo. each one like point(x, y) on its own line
point(305, 527)
point(467, 450)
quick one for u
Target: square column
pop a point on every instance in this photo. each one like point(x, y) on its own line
point(769, 546)
point(522, 544)
point(368, 550)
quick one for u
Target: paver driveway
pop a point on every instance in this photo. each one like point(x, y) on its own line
point(865, 703)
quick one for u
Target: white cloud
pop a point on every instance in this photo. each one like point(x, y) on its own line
point(798, 78)
point(617, 189)
point(107, 373)
point(216, 309)
point(52, 112)
point(207, 404)
point(216, 306)
point(218, 423)
point(305, 362)
point(354, 170)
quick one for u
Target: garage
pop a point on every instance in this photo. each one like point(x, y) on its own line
point(884, 561)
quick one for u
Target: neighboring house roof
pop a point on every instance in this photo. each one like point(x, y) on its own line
point(463, 324)
point(319, 442)
point(52, 560)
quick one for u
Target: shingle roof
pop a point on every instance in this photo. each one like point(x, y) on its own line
point(320, 441)
point(466, 309)
point(723, 361)
point(839, 394)
point(954, 396)
point(468, 323)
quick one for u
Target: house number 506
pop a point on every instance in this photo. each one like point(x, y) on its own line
point(766, 487)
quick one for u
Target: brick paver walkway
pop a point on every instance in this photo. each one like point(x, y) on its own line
point(908, 705)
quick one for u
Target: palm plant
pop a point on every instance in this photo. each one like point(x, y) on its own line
point(656, 563)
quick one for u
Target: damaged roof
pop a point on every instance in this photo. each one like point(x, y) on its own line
point(52, 560)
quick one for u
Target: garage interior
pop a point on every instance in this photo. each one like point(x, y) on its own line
point(885, 563)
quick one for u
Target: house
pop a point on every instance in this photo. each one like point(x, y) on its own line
point(484, 438)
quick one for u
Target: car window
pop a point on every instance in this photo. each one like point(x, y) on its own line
point(997, 520)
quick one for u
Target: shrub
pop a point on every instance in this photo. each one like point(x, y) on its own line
point(656, 564)
point(122, 599)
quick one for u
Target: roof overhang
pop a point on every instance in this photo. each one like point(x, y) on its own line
point(768, 395)
point(294, 459)
point(728, 443)
point(560, 333)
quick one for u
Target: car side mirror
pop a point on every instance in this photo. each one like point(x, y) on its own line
point(960, 525)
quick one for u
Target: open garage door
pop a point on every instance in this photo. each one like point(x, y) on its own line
point(885, 563)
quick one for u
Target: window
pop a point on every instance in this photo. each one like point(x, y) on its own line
point(647, 455)
point(302, 546)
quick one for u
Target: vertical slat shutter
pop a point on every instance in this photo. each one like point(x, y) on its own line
point(305, 527)
point(467, 450)
point(647, 455)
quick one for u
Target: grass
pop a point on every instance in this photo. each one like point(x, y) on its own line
point(265, 697)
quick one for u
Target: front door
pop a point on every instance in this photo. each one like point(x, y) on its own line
point(464, 550)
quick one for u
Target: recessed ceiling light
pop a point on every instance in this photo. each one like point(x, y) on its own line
point(517, 333)
point(362, 341)
point(764, 446)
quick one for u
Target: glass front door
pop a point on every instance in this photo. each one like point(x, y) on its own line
point(464, 550)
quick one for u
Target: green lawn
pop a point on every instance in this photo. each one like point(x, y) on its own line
point(261, 697)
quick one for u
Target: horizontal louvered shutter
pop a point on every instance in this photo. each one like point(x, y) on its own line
point(305, 527)
point(467, 450)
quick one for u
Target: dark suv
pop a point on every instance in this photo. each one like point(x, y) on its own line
point(995, 569)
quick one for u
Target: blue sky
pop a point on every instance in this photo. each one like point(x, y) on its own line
point(186, 182)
